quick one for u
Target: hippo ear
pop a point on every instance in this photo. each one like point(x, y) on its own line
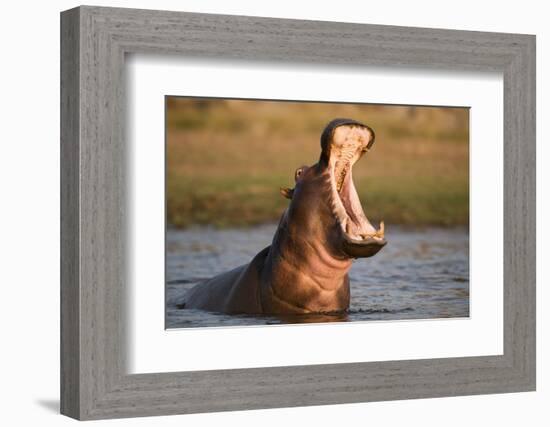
point(287, 192)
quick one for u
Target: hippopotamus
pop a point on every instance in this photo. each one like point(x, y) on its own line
point(324, 228)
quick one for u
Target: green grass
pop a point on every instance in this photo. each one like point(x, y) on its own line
point(227, 160)
point(244, 202)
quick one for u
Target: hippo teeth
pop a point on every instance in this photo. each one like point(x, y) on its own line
point(378, 235)
point(341, 176)
point(346, 204)
point(347, 157)
point(348, 145)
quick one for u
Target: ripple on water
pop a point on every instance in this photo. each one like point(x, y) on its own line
point(418, 275)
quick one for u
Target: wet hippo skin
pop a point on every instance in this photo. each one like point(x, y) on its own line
point(305, 269)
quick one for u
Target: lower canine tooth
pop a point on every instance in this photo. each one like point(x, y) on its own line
point(346, 227)
point(380, 231)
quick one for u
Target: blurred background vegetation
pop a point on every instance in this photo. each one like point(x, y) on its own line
point(227, 159)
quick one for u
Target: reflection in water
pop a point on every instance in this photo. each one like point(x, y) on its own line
point(420, 274)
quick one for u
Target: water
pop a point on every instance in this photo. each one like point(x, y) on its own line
point(420, 274)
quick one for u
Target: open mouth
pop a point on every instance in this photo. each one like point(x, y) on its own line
point(348, 145)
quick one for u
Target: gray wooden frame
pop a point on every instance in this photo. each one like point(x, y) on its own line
point(94, 41)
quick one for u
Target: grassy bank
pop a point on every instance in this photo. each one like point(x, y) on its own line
point(227, 159)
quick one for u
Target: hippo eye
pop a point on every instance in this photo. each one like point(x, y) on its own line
point(298, 173)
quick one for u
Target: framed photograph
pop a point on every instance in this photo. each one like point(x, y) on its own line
point(262, 213)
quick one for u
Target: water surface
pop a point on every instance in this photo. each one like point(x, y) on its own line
point(419, 274)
